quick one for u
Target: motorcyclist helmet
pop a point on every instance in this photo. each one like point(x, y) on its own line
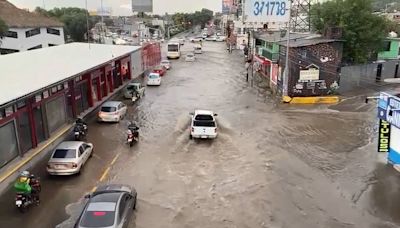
point(25, 173)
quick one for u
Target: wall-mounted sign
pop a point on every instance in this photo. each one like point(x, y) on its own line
point(267, 11)
point(384, 136)
point(389, 109)
point(309, 75)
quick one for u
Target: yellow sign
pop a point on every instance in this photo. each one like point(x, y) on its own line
point(384, 136)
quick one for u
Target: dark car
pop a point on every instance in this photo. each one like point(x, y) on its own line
point(110, 206)
point(160, 70)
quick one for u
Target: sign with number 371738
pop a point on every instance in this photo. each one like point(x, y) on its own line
point(267, 11)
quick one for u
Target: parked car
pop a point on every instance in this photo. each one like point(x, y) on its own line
point(211, 38)
point(154, 79)
point(196, 39)
point(197, 49)
point(69, 157)
point(112, 111)
point(133, 87)
point(160, 70)
point(166, 63)
point(190, 57)
point(203, 124)
point(220, 38)
point(110, 206)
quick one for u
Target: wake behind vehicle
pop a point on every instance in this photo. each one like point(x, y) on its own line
point(110, 206)
point(203, 124)
point(166, 63)
point(134, 89)
point(133, 134)
point(190, 57)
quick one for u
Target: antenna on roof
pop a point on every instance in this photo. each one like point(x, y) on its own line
point(87, 24)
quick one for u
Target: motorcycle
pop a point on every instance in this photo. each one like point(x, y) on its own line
point(133, 136)
point(23, 200)
point(80, 131)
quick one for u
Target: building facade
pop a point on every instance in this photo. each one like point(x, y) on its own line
point(391, 49)
point(80, 78)
point(28, 31)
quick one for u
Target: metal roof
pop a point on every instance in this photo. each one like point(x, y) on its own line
point(307, 42)
point(24, 73)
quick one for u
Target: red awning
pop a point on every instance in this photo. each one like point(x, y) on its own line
point(262, 60)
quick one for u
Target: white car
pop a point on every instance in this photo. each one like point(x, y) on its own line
point(211, 38)
point(196, 39)
point(203, 124)
point(112, 111)
point(69, 157)
point(181, 41)
point(154, 79)
point(190, 57)
point(166, 63)
point(220, 38)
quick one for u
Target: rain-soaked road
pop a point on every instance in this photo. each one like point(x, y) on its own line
point(271, 166)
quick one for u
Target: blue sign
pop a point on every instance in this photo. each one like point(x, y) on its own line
point(389, 109)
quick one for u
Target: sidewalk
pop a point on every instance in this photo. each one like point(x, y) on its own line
point(10, 172)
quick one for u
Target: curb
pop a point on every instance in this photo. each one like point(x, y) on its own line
point(311, 100)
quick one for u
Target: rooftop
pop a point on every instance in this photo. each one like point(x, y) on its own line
point(19, 18)
point(276, 36)
point(24, 73)
point(307, 41)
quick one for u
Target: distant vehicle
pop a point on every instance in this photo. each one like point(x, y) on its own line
point(204, 35)
point(160, 70)
point(190, 57)
point(69, 157)
point(196, 39)
point(203, 124)
point(134, 88)
point(110, 206)
point(181, 41)
point(220, 38)
point(211, 38)
point(166, 63)
point(112, 111)
point(198, 49)
point(218, 34)
point(154, 79)
point(173, 50)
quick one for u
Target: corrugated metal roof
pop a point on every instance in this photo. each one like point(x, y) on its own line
point(24, 73)
point(19, 18)
point(276, 36)
point(306, 42)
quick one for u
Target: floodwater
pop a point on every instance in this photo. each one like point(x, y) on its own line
point(272, 165)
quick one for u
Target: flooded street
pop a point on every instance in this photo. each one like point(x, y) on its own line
point(271, 166)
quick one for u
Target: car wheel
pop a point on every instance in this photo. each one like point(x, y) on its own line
point(190, 136)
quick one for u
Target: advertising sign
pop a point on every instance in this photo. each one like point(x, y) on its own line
point(389, 109)
point(267, 11)
point(105, 11)
point(142, 6)
point(227, 6)
point(384, 136)
point(309, 75)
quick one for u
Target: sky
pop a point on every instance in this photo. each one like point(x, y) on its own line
point(123, 7)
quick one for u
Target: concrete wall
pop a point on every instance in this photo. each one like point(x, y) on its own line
point(364, 76)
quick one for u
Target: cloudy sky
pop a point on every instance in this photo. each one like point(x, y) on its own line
point(123, 7)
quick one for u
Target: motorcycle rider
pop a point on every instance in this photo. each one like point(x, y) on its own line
point(28, 184)
point(80, 122)
point(133, 129)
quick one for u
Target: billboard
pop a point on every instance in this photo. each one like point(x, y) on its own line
point(389, 109)
point(227, 6)
point(267, 11)
point(142, 6)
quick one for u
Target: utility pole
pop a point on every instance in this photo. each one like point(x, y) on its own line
point(102, 23)
point(286, 70)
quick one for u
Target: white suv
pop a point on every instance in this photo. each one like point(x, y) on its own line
point(203, 125)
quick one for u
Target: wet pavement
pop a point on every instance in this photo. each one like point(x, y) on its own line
point(272, 165)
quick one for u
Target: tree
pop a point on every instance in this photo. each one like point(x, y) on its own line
point(363, 31)
point(74, 19)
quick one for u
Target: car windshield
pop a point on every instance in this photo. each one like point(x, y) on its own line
point(108, 109)
point(131, 87)
point(189, 55)
point(99, 214)
point(64, 153)
point(153, 76)
point(204, 117)
point(203, 123)
point(172, 47)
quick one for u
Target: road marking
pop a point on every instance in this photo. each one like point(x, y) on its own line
point(39, 150)
point(105, 173)
point(93, 189)
point(115, 159)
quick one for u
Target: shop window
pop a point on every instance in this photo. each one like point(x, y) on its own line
point(56, 114)
point(9, 150)
point(38, 97)
point(24, 132)
point(54, 90)
point(45, 94)
point(9, 111)
point(21, 104)
point(386, 45)
point(53, 31)
point(11, 34)
point(32, 32)
point(66, 85)
point(60, 87)
point(39, 127)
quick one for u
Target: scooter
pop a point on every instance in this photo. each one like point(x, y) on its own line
point(24, 201)
point(80, 131)
point(133, 137)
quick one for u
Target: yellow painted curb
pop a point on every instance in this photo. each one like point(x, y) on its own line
point(38, 150)
point(286, 99)
point(315, 100)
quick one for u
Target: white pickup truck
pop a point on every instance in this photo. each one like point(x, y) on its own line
point(203, 124)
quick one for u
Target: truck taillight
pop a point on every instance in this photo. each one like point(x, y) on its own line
point(192, 129)
point(74, 165)
point(215, 130)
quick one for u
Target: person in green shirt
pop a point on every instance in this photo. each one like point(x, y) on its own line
point(27, 184)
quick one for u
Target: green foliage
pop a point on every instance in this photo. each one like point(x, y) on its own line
point(363, 31)
point(74, 20)
point(190, 19)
